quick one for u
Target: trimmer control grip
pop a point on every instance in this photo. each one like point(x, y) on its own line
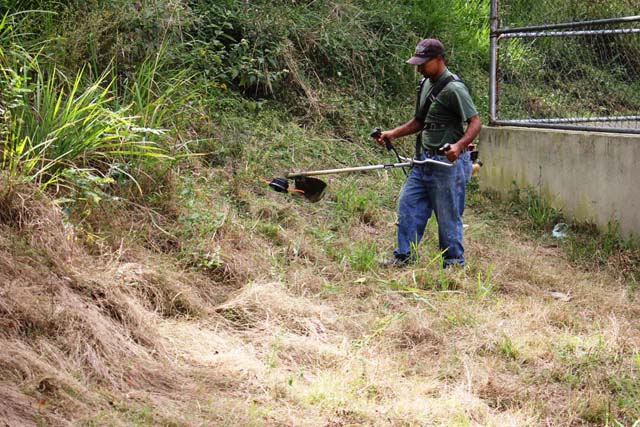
point(376, 134)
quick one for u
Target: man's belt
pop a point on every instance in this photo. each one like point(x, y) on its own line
point(439, 150)
point(432, 151)
point(434, 126)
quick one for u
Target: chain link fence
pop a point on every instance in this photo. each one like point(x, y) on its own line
point(566, 64)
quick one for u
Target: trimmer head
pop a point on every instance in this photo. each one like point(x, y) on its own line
point(281, 185)
point(311, 189)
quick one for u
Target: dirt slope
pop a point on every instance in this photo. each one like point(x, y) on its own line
point(290, 335)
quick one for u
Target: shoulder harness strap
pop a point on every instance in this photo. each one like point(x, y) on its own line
point(433, 94)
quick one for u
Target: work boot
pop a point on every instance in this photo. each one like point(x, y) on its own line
point(396, 262)
point(453, 266)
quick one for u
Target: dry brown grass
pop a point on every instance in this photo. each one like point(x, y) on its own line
point(73, 325)
point(287, 336)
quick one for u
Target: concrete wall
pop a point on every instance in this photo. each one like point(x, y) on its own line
point(592, 177)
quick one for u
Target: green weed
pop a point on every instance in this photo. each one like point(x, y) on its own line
point(433, 276)
point(627, 396)
point(534, 206)
point(253, 63)
point(364, 257)
point(353, 203)
point(595, 409)
point(86, 187)
point(271, 231)
point(117, 33)
point(461, 319)
point(485, 287)
point(197, 225)
point(540, 211)
point(626, 390)
point(507, 348)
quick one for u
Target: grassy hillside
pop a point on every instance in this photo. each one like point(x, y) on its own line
point(149, 276)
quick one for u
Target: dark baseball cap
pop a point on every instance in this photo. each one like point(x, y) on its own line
point(425, 50)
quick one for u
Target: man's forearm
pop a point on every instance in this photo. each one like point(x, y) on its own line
point(411, 127)
point(473, 129)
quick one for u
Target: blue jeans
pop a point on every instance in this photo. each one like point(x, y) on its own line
point(433, 189)
point(465, 159)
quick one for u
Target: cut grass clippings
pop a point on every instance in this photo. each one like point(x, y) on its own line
point(312, 341)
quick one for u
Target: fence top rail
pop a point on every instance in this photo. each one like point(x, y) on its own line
point(570, 33)
point(635, 118)
point(608, 21)
point(565, 127)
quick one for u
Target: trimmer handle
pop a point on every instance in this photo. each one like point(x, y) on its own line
point(387, 142)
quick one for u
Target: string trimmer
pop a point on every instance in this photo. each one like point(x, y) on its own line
point(313, 189)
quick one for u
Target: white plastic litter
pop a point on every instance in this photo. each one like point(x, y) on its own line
point(560, 230)
point(561, 296)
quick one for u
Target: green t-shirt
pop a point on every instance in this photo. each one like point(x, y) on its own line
point(453, 107)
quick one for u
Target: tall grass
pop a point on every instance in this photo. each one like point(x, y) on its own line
point(159, 100)
point(53, 122)
point(62, 124)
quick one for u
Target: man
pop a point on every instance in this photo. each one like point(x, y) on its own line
point(435, 188)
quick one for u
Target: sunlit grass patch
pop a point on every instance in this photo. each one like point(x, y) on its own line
point(64, 125)
point(353, 203)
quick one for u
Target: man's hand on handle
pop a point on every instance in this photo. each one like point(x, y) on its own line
point(383, 138)
point(473, 129)
point(452, 151)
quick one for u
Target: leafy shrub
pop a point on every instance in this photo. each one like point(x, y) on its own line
point(313, 56)
point(117, 33)
point(220, 50)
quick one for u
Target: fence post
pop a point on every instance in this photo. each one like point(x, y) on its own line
point(493, 78)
